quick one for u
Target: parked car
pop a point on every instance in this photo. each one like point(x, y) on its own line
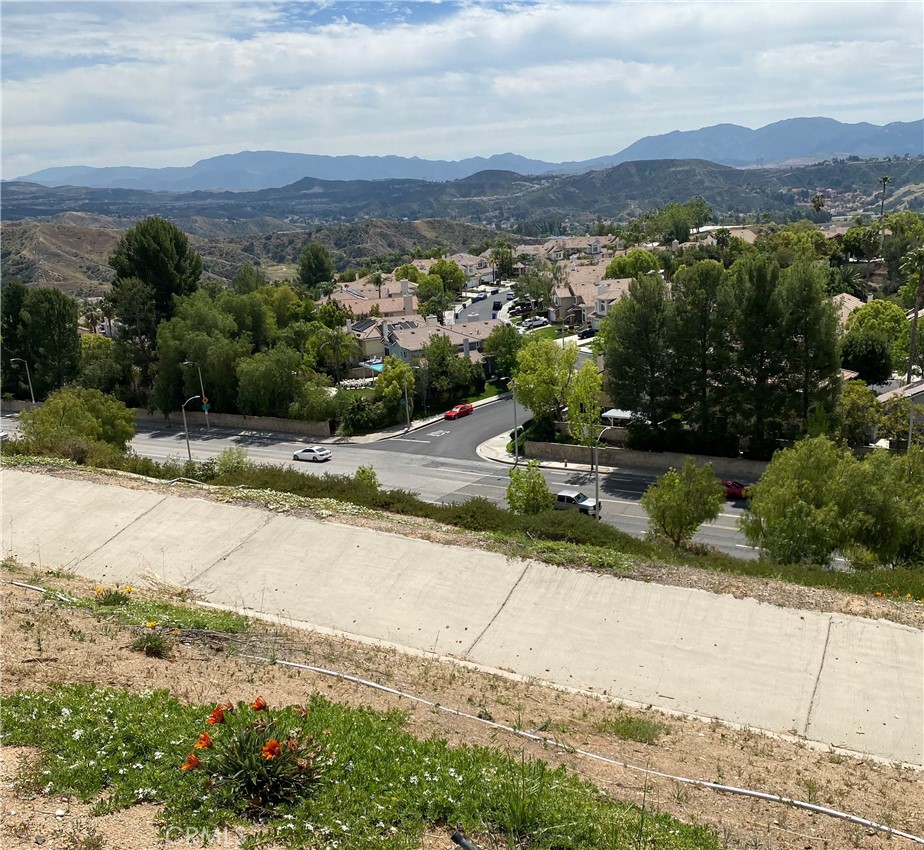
point(496, 305)
point(510, 296)
point(315, 454)
point(735, 490)
point(575, 500)
point(458, 411)
point(534, 322)
point(587, 333)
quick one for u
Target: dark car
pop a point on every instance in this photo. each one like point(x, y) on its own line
point(587, 333)
point(735, 490)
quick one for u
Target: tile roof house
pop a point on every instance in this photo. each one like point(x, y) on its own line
point(407, 343)
point(845, 304)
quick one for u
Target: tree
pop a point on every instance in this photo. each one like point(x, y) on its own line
point(857, 414)
point(810, 331)
point(502, 258)
point(698, 332)
point(333, 314)
point(863, 243)
point(248, 279)
point(268, 382)
point(408, 272)
point(528, 492)
point(913, 266)
point(884, 181)
point(444, 374)
point(99, 368)
point(452, 276)
point(432, 297)
point(758, 380)
point(635, 351)
point(583, 400)
point(49, 323)
point(502, 344)
point(792, 516)
point(868, 354)
point(678, 503)
point(544, 373)
point(537, 286)
point(156, 252)
point(315, 265)
point(635, 263)
point(80, 424)
point(15, 342)
point(394, 383)
point(818, 202)
point(335, 348)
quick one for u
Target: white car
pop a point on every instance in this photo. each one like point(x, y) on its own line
point(315, 454)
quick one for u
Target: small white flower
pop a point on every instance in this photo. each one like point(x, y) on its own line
point(78, 734)
point(65, 712)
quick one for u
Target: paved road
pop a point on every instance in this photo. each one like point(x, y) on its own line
point(842, 681)
point(441, 464)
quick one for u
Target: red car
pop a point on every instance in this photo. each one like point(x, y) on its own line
point(459, 411)
point(735, 490)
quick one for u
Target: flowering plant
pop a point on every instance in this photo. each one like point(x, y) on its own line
point(257, 757)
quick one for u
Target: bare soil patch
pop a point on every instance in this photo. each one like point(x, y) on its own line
point(45, 643)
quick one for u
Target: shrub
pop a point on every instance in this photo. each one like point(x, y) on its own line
point(528, 492)
point(256, 759)
point(679, 502)
point(366, 475)
point(233, 460)
point(112, 596)
point(152, 643)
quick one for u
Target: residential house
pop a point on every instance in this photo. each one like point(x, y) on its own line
point(407, 343)
point(608, 293)
point(845, 304)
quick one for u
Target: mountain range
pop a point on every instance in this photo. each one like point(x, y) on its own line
point(793, 141)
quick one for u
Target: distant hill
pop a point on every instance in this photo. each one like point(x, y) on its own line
point(797, 140)
point(496, 198)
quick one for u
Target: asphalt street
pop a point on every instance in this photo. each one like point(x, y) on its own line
point(439, 461)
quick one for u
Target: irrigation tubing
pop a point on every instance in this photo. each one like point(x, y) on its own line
point(530, 736)
point(539, 739)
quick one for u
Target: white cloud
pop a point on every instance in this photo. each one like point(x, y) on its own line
point(166, 83)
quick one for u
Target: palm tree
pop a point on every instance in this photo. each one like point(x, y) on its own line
point(884, 181)
point(913, 266)
point(818, 202)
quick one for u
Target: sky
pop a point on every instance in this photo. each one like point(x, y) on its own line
point(170, 83)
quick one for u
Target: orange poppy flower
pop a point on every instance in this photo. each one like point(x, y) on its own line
point(271, 749)
point(191, 762)
point(204, 742)
point(217, 716)
point(259, 704)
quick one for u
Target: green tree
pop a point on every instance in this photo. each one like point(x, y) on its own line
point(99, 368)
point(544, 375)
point(14, 342)
point(315, 265)
point(254, 319)
point(913, 267)
point(335, 349)
point(635, 352)
point(792, 512)
point(432, 298)
point(248, 279)
point(810, 333)
point(857, 414)
point(156, 252)
point(868, 354)
point(759, 378)
point(537, 286)
point(583, 400)
point(679, 502)
point(269, 382)
point(502, 258)
point(408, 272)
point(445, 375)
point(528, 492)
point(884, 319)
point(698, 331)
point(452, 276)
point(502, 344)
point(44, 334)
point(394, 382)
point(634, 263)
point(79, 423)
point(333, 315)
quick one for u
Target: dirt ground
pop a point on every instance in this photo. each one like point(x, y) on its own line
point(45, 643)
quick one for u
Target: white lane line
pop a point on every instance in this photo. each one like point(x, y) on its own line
point(743, 546)
point(408, 440)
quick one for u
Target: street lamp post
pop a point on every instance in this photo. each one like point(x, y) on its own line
point(597, 472)
point(28, 376)
point(516, 427)
point(185, 429)
point(201, 391)
point(407, 407)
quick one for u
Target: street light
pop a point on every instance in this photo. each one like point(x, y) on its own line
point(516, 428)
point(28, 376)
point(185, 429)
point(201, 390)
point(597, 471)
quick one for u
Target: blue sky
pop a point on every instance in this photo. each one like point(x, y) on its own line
point(169, 83)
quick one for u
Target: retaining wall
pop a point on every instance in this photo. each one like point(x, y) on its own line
point(725, 467)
